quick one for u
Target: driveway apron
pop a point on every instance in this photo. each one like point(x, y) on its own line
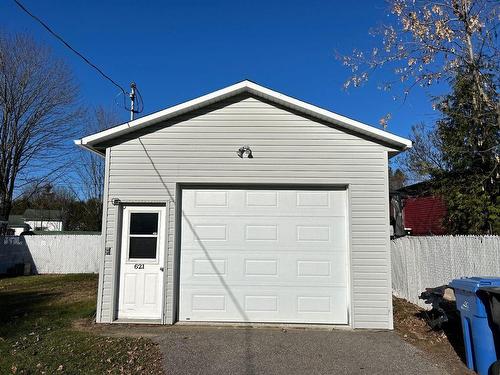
point(215, 350)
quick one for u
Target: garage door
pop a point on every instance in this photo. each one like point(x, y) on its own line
point(264, 256)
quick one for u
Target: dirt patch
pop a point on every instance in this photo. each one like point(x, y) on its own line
point(445, 346)
point(119, 330)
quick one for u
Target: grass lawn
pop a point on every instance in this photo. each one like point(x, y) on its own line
point(38, 334)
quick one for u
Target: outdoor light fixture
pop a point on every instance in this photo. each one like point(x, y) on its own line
point(245, 152)
point(115, 201)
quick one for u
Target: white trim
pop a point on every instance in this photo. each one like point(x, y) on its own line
point(245, 86)
point(79, 143)
point(350, 261)
point(165, 319)
point(159, 261)
point(116, 262)
point(102, 254)
point(387, 220)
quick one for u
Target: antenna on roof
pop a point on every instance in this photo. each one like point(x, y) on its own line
point(132, 100)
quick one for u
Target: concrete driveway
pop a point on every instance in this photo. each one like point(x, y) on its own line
point(223, 350)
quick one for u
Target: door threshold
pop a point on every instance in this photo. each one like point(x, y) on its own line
point(314, 326)
point(137, 321)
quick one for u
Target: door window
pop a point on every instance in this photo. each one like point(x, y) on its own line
point(143, 235)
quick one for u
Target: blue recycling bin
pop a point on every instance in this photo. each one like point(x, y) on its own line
point(478, 333)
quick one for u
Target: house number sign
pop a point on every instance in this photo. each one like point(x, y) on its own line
point(139, 266)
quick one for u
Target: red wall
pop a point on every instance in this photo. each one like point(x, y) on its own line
point(424, 215)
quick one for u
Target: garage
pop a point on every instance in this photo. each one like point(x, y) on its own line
point(264, 256)
point(245, 205)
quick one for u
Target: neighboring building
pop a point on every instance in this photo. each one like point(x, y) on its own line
point(35, 220)
point(43, 220)
point(16, 225)
point(246, 205)
point(424, 216)
point(416, 211)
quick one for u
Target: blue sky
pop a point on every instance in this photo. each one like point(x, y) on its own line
point(177, 50)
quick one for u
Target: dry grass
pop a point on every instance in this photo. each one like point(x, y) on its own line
point(445, 346)
point(37, 335)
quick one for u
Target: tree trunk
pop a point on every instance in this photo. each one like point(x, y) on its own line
point(5, 207)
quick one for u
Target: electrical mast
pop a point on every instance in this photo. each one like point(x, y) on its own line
point(132, 100)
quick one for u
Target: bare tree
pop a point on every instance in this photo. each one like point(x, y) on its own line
point(425, 157)
point(429, 41)
point(90, 170)
point(38, 113)
point(91, 167)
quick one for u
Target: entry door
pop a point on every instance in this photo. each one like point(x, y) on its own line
point(264, 256)
point(142, 262)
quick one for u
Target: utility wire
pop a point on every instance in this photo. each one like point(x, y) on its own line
point(140, 102)
point(71, 48)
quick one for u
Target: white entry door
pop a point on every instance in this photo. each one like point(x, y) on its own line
point(264, 256)
point(142, 262)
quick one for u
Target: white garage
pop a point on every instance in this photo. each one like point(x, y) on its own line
point(246, 205)
point(264, 256)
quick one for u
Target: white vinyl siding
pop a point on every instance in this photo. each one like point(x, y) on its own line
point(288, 149)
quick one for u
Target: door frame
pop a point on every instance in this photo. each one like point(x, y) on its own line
point(259, 186)
point(116, 264)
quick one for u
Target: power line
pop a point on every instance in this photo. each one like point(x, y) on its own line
point(139, 104)
point(71, 48)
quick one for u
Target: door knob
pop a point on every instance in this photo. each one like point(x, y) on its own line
point(161, 269)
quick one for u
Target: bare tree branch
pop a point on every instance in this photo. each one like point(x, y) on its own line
point(38, 114)
point(428, 41)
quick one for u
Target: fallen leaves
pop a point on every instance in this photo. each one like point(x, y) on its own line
point(45, 341)
point(410, 324)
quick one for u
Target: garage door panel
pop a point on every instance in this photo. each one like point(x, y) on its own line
point(202, 267)
point(275, 233)
point(256, 267)
point(323, 305)
point(264, 202)
point(264, 256)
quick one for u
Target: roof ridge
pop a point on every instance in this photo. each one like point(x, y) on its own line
point(246, 85)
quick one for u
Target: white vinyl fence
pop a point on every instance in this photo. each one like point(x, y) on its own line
point(431, 261)
point(68, 253)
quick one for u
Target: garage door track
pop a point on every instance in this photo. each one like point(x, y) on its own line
point(224, 350)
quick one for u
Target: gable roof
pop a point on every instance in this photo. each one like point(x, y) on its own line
point(90, 142)
point(16, 221)
point(41, 214)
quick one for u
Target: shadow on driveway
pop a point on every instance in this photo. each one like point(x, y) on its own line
point(248, 351)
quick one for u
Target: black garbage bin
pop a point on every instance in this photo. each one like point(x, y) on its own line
point(493, 297)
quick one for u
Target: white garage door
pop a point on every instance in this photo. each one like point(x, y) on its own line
point(264, 256)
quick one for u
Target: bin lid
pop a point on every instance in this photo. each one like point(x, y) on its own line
point(472, 284)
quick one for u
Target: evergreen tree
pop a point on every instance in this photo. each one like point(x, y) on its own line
point(469, 137)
